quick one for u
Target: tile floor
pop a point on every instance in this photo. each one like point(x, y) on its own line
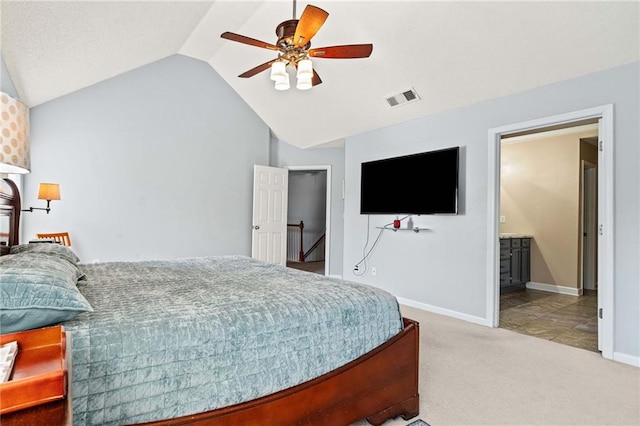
point(571, 320)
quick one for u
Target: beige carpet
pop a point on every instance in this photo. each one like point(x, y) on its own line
point(475, 375)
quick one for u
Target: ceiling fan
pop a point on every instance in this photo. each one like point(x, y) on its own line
point(294, 49)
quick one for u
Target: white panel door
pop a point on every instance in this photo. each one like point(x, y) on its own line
point(269, 236)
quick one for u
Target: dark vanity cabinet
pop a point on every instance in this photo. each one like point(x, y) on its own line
point(515, 263)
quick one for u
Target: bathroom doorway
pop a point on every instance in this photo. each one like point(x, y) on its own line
point(604, 307)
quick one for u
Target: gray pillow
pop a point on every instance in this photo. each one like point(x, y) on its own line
point(52, 249)
point(37, 290)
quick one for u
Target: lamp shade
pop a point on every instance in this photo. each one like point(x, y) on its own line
point(305, 69)
point(304, 83)
point(14, 136)
point(49, 191)
point(279, 71)
point(283, 84)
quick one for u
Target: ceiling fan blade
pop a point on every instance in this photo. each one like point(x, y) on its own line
point(248, 40)
point(348, 51)
point(316, 79)
point(311, 20)
point(256, 70)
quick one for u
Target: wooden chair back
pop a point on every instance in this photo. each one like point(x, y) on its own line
point(60, 237)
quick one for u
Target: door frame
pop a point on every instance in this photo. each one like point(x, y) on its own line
point(327, 238)
point(605, 215)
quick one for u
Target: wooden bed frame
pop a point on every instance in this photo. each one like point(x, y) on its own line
point(380, 385)
point(10, 207)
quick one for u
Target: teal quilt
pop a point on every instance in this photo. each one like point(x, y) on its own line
point(171, 338)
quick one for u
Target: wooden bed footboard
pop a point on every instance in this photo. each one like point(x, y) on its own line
point(379, 385)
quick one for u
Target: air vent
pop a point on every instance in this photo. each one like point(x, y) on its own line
point(403, 98)
point(409, 95)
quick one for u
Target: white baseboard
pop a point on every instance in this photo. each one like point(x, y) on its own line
point(442, 311)
point(571, 291)
point(627, 359)
point(617, 356)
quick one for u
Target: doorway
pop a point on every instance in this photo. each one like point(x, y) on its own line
point(308, 223)
point(604, 171)
point(542, 197)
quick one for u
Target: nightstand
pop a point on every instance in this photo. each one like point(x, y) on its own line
point(56, 413)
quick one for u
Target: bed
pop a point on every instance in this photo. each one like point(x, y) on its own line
point(223, 340)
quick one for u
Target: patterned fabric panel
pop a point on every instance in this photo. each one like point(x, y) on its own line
point(171, 338)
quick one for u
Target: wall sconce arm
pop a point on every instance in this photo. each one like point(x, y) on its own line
point(31, 209)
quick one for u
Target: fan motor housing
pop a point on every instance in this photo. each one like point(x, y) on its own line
point(285, 32)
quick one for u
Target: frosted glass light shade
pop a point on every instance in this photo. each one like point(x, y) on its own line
point(305, 69)
point(49, 191)
point(283, 84)
point(279, 71)
point(304, 83)
point(14, 136)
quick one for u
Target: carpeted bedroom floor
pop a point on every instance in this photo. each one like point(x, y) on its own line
point(475, 375)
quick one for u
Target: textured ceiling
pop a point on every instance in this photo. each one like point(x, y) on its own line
point(452, 53)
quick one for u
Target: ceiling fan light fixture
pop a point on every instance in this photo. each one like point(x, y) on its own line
point(279, 71)
point(293, 47)
point(304, 83)
point(283, 84)
point(305, 69)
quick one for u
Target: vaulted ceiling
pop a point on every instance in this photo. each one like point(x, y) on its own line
point(452, 53)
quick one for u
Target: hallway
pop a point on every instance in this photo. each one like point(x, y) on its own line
point(315, 267)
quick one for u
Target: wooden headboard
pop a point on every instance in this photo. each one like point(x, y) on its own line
point(9, 214)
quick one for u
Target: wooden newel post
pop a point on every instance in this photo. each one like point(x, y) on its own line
point(301, 254)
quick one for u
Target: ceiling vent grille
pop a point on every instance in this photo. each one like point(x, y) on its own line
point(403, 98)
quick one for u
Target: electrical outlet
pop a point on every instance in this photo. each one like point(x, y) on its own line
point(503, 219)
point(374, 271)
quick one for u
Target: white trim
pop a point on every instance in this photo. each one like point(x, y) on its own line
point(327, 238)
point(551, 133)
point(492, 302)
point(627, 359)
point(571, 291)
point(442, 311)
point(605, 215)
point(605, 219)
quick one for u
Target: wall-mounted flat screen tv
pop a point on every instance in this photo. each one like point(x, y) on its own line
point(424, 183)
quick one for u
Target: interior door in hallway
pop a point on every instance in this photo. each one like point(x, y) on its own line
point(589, 226)
point(269, 236)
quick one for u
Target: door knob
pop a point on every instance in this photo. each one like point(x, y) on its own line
point(256, 227)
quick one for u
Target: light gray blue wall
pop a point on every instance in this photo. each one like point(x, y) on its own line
point(445, 267)
point(284, 155)
point(156, 163)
